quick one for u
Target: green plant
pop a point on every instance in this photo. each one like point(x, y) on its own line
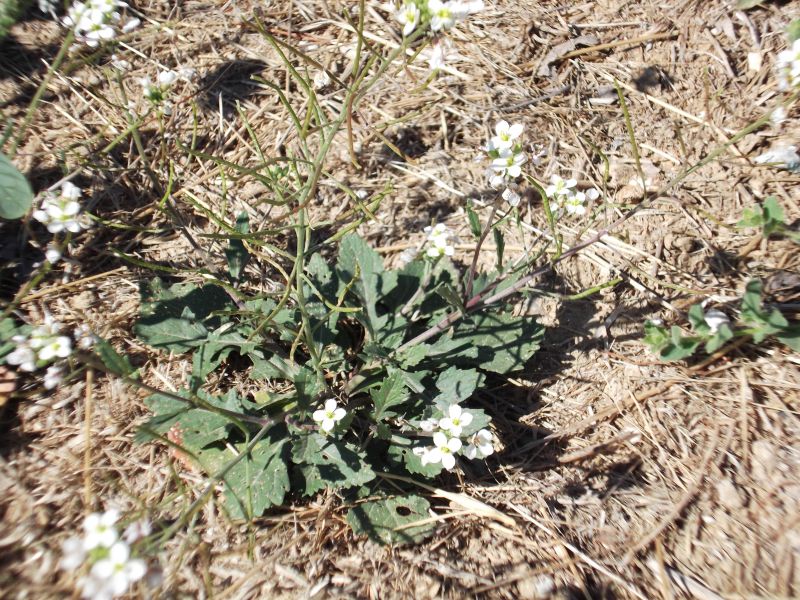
point(713, 329)
point(16, 195)
point(770, 218)
point(10, 12)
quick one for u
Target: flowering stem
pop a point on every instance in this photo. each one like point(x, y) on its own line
point(23, 128)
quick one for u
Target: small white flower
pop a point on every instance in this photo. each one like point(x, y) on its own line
point(137, 530)
point(59, 212)
point(715, 319)
point(73, 554)
point(574, 203)
point(442, 15)
point(56, 347)
point(408, 16)
point(329, 416)
point(428, 424)
point(781, 157)
point(118, 570)
point(99, 530)
point(439, 237)
point(505, 135)
point(508, 164)
point(321, 79)
point(437, 55)
point(52, 253)
point(511, 197)
point(560, 187)
point(167, 78)
point(156, 92)
point(480, 445)
point(443, 451)
point(53, 377)
point(788, 66)
point(83, 336)
point(23, 355)
point(456, 420)
point(131, 24)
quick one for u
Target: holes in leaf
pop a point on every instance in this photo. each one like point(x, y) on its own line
point(403, 511)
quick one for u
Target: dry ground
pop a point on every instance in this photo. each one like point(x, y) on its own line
point(703, 502)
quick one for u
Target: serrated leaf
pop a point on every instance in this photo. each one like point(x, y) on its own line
point(197, 427)
point(16, 195)
point(451, 296)
point(679, 346)
point(392, 392)
point(113, 360)
point(175, 318)
point(456, 385)
point(503, 342)
point(390, 521)
point(236, 253)
point(328, 463)
point(411, 357)
point(256, 482)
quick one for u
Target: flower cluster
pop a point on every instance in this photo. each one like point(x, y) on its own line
point(505, 151)
point(447, 439)
point(788, 65)
point(46, 346)
point(440, 241)
point(561, 193)
point(156, 93)
point(95, 21)
point(328, 417)
point(439, 16)
point(59, 211)
point(112, 569)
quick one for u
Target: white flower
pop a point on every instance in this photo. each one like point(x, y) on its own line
point(59, 211)
point(321, 79)
point(53, 377)
point(73, 554)
point(99, 530)
point(408, 16)
point(480, 445)
point(84, 336)
point(428, 424)
point(23, 355)
point(437, 57)
point(56, 347)
point(442, 15)
point(439, 237)
point(52, 253)
point(116, 572)
point(456, 420)
point(156, 92)
point(560, 187)
point(788, 66)
point(511, 197)
point(574, 201)
point(715, 319)
point(131, 24)
point(505, 135)
point(781, 157)
point(329, 416)
point(137, 530)
point(93, 21)
point(443, 451)
point(508, 165)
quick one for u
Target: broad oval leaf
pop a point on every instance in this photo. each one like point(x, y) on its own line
point(16, 195)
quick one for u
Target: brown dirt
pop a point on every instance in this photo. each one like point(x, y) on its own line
point(702, 501)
